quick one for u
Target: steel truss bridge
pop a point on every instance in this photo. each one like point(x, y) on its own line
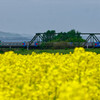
point(93, 37)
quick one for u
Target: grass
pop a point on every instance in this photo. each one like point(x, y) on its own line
point(41, 51)
point(24, 51)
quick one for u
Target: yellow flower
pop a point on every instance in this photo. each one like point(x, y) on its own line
point(45, 76)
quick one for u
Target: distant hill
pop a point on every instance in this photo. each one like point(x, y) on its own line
point(7, 36)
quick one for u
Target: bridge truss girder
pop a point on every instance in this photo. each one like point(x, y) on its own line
point(89, 36)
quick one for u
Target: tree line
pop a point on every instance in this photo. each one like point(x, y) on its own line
point(70, 36)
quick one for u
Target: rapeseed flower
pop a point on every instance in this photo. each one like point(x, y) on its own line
point(45, 76)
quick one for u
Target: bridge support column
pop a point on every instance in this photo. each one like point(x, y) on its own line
point(27, 47)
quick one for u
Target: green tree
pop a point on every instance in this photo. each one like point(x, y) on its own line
point(70, 36)
point(49, 35)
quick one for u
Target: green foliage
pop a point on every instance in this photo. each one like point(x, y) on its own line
point(48, 36)
point(74, 36)
point(64, 51)
point(70, 36)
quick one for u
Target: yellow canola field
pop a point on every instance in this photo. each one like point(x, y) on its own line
point(74, 76)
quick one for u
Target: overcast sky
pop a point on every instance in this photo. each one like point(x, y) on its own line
point(33, 16)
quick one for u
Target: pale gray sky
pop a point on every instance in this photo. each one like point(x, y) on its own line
point(33, 16)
